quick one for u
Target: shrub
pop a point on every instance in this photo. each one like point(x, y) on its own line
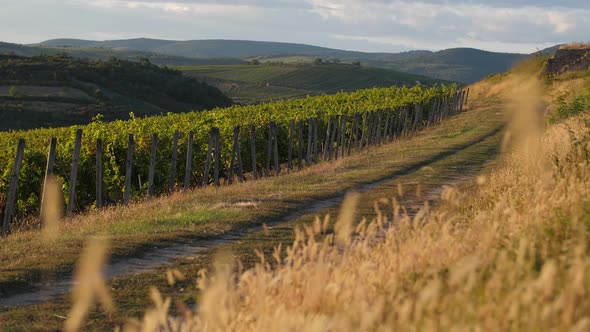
point(13, 91)
point(565, 110)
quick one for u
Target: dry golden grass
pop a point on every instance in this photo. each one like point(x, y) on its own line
point(511, 255)
point(575, 46)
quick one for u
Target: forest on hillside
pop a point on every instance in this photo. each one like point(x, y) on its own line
point(142, 80)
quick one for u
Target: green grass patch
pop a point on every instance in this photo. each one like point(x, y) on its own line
point(265, 82)
point(575, 103)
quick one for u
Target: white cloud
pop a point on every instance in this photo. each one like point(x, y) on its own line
point(432, 24)
point(368, 25)
point(201, 9)
point(561, 21)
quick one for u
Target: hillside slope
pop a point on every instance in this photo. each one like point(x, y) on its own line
point(48, 91)
point(460, 64)
point(255, 83)
point(82, 50)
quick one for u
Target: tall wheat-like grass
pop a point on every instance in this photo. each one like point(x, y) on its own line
point(510, 255)
point(90, 287)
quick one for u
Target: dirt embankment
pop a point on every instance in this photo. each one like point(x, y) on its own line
point(569, 59)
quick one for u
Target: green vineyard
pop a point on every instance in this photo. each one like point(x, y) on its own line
point(157, 155)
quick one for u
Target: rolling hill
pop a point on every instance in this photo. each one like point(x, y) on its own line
point(204, 48)
point(255, 83)
point(101, 53)
point(58, 90)
point(459, 64)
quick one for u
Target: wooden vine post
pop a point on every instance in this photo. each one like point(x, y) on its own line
point(276, 149)
point(338, 133)
point(353, 135)
point(99, 173)
point(309, 142)
point(300, 146)
point(188, 169)
point(378, 126)
point(327, 140)
point(253, 148)
point(315, 141)
point(152, 170)
point(74, 173)
point(417, 117)
point(172, 179)
point(213, 151)
point(217, 167)
point(363, 124)
point(128, 169)
point(392, 124)
point(236, 154)
point(343, 135)
point(208, 158)
point(462, 101)
point(332, 138)
point(291, 139)
point(370, 124)
point(48, 170)
point(385, 129)
point(11, 197)
point(268, 150)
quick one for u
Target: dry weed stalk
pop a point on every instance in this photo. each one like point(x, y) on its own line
point(90, 287)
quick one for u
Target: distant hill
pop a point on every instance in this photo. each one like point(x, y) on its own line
point(99, 53)
point(457, 64)
point(9, 48)
point(58, 90)
point(212, 48)
point(255, 83)
point(460, 64)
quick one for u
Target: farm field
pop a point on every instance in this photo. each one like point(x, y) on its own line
point(250, 84)
point(45, 91)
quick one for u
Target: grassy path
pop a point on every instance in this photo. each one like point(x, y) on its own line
point(449, 153)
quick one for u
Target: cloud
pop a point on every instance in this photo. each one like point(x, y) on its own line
point(367, 25)
point(188, 5)
point(177, 7)
point(498, 24)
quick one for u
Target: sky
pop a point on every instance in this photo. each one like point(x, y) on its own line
point(521, 26)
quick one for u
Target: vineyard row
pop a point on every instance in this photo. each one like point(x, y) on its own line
point(106, 171)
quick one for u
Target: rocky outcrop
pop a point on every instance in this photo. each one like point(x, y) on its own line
point(569, 59)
